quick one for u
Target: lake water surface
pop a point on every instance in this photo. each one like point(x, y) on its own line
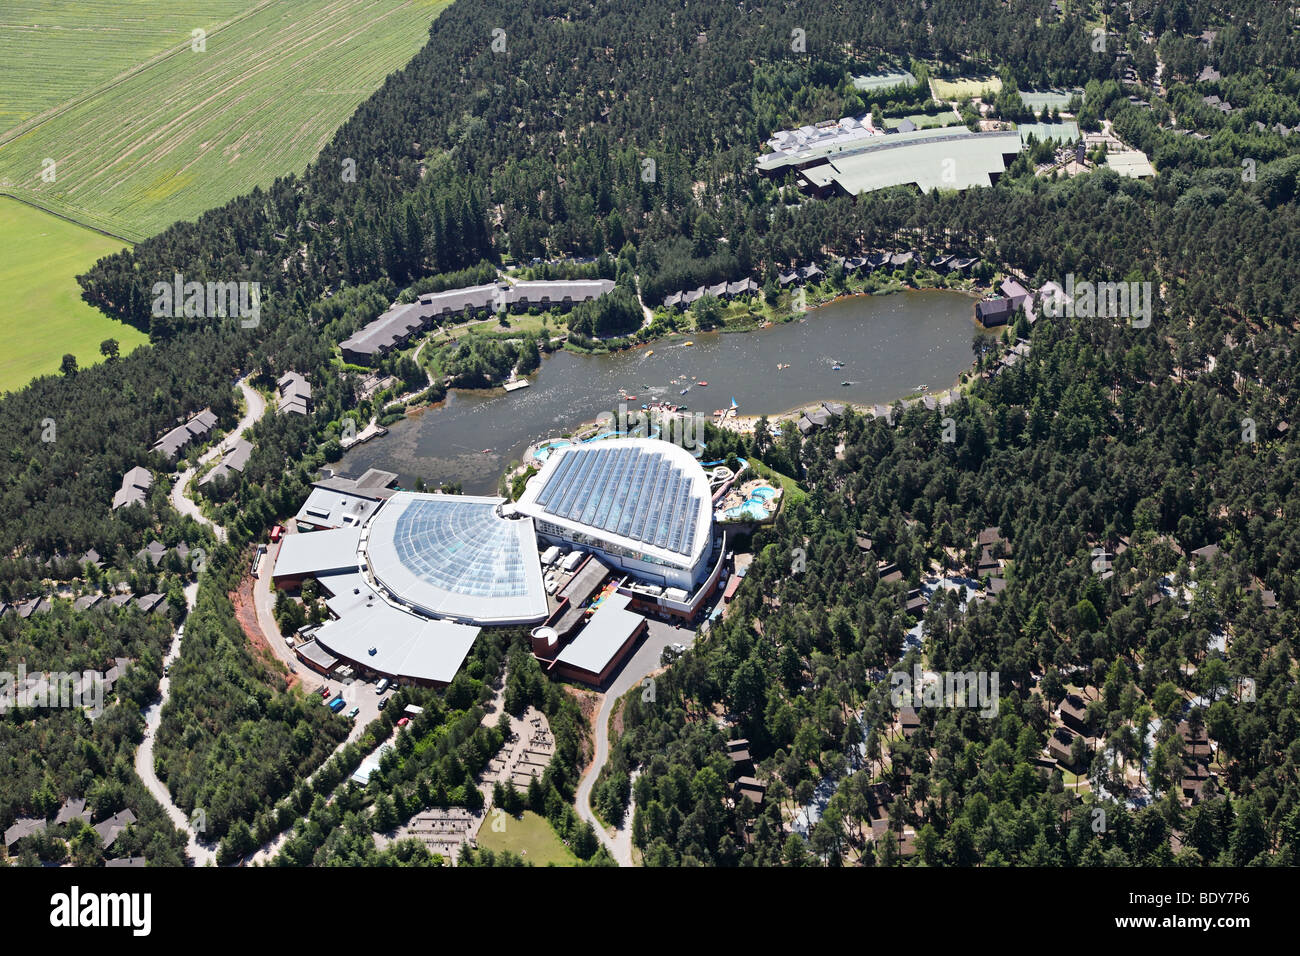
point(888, 345)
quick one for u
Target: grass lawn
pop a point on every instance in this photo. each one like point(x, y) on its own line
point(955, 89)
point(530, 836)
point(44, 315)
point(192, 130)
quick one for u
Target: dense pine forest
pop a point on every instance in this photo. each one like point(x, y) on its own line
point(628, 130)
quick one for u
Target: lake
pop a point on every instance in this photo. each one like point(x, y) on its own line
point(889, 346)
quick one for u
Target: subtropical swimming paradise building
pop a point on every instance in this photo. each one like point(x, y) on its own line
point(412, 583)
point(642, 504)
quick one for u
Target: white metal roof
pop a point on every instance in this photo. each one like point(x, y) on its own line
point(318, 553)
point(404, 644)
point(607, 631)
point(647, 496)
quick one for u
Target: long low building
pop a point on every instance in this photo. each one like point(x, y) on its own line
point(927, 159)
point(396, 326)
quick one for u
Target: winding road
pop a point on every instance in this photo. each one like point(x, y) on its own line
point(204, 854)
point(641, 665)
point(180, 500)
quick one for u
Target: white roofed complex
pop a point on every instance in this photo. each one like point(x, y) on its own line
point(642, 503)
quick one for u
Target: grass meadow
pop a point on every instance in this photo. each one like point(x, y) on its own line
point(192, 130)
point(144, 130)
point(44, 316)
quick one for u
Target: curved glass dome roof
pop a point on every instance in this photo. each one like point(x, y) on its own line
point(453, 555)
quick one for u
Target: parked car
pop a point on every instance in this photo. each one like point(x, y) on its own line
point(353, 712)
point(382, 685)
point(325, 691)
point(337, 704)
point(289, 641)
point(404, 721)
point(383, 702)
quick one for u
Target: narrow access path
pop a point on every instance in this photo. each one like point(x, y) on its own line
point(202, 853)
point(643, 663)
point(180, 498)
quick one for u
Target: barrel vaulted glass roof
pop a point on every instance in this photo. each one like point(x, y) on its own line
point(454, 555)
point(643, 492)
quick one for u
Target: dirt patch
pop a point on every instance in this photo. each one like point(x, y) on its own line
point(589, 704)
point(616, 723)
point(246, 614)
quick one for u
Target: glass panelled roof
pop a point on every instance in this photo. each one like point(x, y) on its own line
point(634, 492)
point(462, 547)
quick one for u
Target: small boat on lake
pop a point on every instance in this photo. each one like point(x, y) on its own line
point(685, 390)
point(701, 382)
point(846, 383)
point(688, 343)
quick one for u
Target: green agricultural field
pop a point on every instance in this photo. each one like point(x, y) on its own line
point(531, 837)
point(955, 89)
point(192, 130)
point(44, 316)
point(51, 53)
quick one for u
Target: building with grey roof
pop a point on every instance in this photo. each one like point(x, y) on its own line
point(231, 464)
point(197, 428)
point(395, 327)
point(135, 489)
point(23, 827)
point(294, 394)
point(150, 602)
point(742, 287)
point(391, 330)
point(112, 828)
point(603, 644)
point(87, 601)
point(153, 551)
point(74, 808)
point(545, 294)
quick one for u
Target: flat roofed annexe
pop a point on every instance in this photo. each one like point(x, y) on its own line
point(387, 640)
point(396, 326)
point(328, 508)
point(315, 555)
point(603, 644)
